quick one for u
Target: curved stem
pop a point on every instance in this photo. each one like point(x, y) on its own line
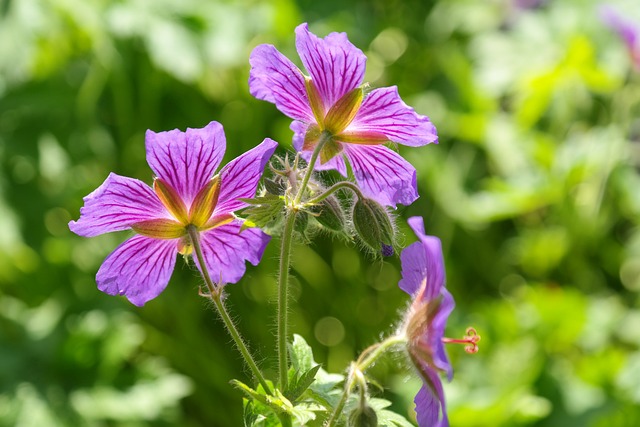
point(366, 359)
point(339, 186)
point(215, 294)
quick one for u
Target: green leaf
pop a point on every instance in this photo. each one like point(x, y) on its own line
point(387, 418)
point(300, 383)
point(258, 415)
point(263, 211)
point(301, 354)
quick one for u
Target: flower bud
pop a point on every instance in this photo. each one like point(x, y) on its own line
point(363, 416)
point(373, 224)
point(329, 213)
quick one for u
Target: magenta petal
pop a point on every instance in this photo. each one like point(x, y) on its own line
point(430, 407)
point(382, 174)
point(239, 178)
point(336, 66)
point(140, 269)
point(117, 204)
point(226, 249)
point(274, 78)
point(383, 111)
point(186, 160)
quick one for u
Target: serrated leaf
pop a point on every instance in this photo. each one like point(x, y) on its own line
point(306, 412)
point(301, 383)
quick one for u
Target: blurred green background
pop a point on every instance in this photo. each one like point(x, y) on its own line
point(534, 190)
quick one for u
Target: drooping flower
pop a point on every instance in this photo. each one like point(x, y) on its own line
point(628, 31)
point(423, 277)
point(185, 194)
point(332, 104)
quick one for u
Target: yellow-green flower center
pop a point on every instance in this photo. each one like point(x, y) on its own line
point(334, 123)
point(199, 214)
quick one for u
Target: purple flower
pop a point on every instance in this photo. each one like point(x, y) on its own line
point(185, 194)
point(626, 29)
point(423, 277)
point(331, 103)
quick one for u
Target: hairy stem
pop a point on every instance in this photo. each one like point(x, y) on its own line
point(283, 296)
point(215, 294)
point(285, 261)
point(366, 359)
point(339, 186)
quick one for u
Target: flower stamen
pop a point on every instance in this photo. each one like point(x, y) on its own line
point(470, 339)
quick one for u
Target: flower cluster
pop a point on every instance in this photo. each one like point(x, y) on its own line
point(191, 210)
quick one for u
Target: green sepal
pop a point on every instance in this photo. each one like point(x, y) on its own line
point(329, 150)
point(343, 111)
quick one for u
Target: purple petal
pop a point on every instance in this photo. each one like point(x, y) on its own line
point(186, 160)
point(430, 404)
point(335, 65)
point(140, 269)
point(434, 260)
point(383, 111)
point(436, 332)
point(382, 174)
point(414, 268)
point(226, 249)
point(337, 163)
point(117, 204)
point(274, 78)
point(239, 178)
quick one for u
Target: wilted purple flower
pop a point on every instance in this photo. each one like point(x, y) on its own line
point(626, 29)
point(331, 103)
point(185, 194)
point(423, 277)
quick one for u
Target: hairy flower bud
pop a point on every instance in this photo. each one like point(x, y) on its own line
point(373, 224)
point(364, 416)
point(329, 213)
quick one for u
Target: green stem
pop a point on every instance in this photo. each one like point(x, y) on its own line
point(366, 359)
point(285, 261)
point(283, 296)
point(215, 294)
point(324, 138)
point(339, 186)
